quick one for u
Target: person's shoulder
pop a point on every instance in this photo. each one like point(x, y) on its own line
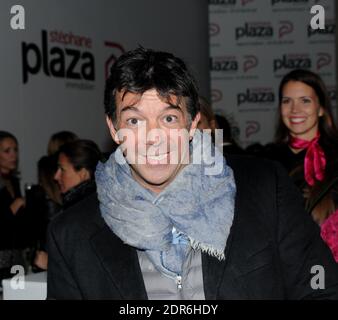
point(275, 150)
point(256, 174)
point(251, 165)
point(83, 219)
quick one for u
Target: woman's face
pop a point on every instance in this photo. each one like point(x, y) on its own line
point(66, 175)
point(300, 110)
point(8, 155)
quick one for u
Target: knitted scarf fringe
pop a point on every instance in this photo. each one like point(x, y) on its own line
point(196, 245)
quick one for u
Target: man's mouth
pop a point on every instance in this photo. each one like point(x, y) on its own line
point(157, 158)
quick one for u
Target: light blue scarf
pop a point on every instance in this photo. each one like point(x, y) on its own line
point(199, 206)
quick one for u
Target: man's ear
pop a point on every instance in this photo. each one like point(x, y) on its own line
point(194, 125)
point(112, 130)
point(84, 174)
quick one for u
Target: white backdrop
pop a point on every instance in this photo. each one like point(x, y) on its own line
point(51, 99)
point(253, 43)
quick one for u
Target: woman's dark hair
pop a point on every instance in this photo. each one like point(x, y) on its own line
point(326, 125)
point(143, 69)
point(7, 135)
point(82, 154)
point(47, 167)
point(58, 139)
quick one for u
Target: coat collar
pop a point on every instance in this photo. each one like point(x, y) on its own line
point(120, 262)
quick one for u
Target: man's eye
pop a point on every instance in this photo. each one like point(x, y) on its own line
point(306, 100)
point(170, 119)
point(133, 121)
point(284, 101)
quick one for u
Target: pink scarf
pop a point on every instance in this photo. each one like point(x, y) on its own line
point(329, 233)
point(314, 162)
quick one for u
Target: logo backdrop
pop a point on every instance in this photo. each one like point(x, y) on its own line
point(253, 44)
point(53, 72)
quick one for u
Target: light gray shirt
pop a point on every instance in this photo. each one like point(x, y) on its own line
point(187, 287)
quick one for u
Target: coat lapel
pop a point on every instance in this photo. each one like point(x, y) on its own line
point(248, 247)
point(213, 269)
point(120, 262)
point(212, 275)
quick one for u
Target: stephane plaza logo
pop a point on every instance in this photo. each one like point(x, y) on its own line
point(116, 50)
point(214, 29)
point(323, 60)
point(230, 2)
point(329, 30)
point(286, 27)
point(60, 55)
point(292, 61)
point(250, 62)
point(252, 127)
point(216, 95)
point(223, 2)
point(257, 30)
point(224, 64)
point(302, 61)
point(289, 2)
point(256, 96)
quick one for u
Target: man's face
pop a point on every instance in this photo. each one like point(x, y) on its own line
point(155, 135)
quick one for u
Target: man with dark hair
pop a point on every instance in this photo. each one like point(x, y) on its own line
point(174, 220)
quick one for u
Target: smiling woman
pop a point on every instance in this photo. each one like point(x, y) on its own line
point(306, 124)
point(307, 141)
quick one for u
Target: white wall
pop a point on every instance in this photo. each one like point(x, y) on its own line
point(46, 104)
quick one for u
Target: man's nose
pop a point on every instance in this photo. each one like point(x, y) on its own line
point(154, 134)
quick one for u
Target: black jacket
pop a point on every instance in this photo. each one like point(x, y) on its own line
point(78, 193)
point(273, 245)
point(13, 228)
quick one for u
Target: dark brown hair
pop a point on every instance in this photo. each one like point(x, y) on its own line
point(82, 154)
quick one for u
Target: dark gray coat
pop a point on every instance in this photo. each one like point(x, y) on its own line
point(273, 245)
